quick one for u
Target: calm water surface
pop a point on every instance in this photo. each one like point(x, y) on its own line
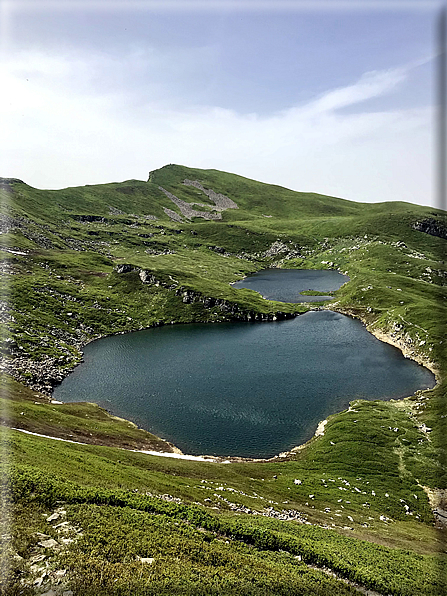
point(286, 284)
point(248, 389)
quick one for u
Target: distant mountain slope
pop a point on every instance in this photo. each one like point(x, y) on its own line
point(135, 196)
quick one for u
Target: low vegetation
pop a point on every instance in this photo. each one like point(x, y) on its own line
point(91, 514)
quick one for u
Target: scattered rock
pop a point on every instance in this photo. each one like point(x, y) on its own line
point(221, 201)
point(124, 268)
point(39, 581)
point(50, 543)
point(37, 558)
point(146, 560)
point(187, 210)
point(173, 215)
point(90, 218)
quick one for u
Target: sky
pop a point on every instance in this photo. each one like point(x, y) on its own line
point(328, 97)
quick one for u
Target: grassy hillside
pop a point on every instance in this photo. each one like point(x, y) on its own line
point(91, 515)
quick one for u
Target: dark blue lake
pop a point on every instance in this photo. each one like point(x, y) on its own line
point(285, 285)
point(248, 389)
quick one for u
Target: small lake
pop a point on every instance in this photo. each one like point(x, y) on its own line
point(247, 389)
point(285, 285)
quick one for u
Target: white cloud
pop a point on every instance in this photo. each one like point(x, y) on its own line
point(67, 121)
point(370, 85)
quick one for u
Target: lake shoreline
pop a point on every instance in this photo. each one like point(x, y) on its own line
point(398, 341)
point(407, 350)
point(286, 455)
point(301, 298)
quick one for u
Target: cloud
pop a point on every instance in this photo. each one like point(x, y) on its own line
point(82, 119)
point(370, 85)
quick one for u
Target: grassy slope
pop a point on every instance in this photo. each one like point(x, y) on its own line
point(66, 292)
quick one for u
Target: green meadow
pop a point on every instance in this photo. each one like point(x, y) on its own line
point(351, 510)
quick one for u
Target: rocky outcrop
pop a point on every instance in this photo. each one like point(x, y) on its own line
point(115, 211)
point(220, 250)
point(278, 252)
point(8, 223)
point(173, 215)
point(9, 181)
point(90, 218)
point(157, 252)
point(221, 201)
point(42, 375)
point(100, 246)
point(231, 309)
point(149, 278)
point(187, 210)
point(279, 249)
point(396, 336)
point(5, 312)
point(146, 276)
point(124, 268)
point(438, 502)
point(431, 226)
point(31, 230)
